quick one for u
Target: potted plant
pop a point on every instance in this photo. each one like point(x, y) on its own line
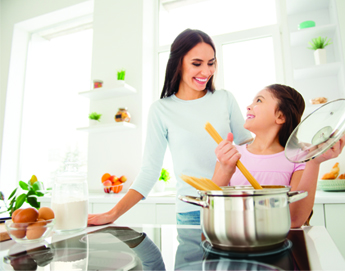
point(163, 179)
point(121, 75)
point(318, 45)
point(34, 189)
point(94, 118)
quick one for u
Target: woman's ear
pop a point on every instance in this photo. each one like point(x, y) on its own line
point(280, 118)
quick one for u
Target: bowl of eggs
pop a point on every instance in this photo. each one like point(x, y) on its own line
point(30, 225)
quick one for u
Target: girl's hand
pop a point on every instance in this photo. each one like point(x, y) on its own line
point(227, 154)
point(332, 152)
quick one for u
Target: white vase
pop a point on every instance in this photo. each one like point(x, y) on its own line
point(320, 56)
point(159, 186)
point(93, 122)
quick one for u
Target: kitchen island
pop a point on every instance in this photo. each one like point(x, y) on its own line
point(156, 247)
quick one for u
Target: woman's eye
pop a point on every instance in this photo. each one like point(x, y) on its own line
point(196, 64)
point(258, 100)
point(211, 64)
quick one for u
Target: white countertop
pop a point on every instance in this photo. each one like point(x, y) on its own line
point(169, 197)
point(323, 197)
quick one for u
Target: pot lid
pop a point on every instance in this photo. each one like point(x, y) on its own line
point(317, 133)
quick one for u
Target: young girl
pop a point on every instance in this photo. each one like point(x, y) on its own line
point(272, 117)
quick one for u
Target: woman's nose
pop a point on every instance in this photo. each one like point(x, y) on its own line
point(207, 71)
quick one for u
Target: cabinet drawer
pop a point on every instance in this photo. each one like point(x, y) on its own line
point(165, 214)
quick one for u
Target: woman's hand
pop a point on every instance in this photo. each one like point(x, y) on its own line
point(227, 154)
point(100, 219)
point(332, 152)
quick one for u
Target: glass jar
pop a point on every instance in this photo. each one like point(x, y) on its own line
point(70, 199)
point(122, 115)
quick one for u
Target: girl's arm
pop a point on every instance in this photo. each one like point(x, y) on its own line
point(227, 156)
point(306, 180)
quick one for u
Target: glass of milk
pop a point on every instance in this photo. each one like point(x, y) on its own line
point(70, 199)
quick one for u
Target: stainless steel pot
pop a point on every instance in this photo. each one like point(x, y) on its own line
point(241, 218)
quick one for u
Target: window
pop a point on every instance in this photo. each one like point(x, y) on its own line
point(248, 67)
point(215, 17)
point(246, 36)
point(57, 70)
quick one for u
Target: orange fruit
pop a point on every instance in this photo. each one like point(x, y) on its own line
point(105, 177)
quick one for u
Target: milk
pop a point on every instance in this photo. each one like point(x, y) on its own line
point(70, 216)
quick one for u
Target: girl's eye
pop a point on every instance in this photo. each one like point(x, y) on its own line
point(211, 64)
point(196, 64)
point(258, 100)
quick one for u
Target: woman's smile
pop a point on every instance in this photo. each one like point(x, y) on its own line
point(200, 80)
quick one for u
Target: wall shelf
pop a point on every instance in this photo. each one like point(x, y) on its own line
point(108, 127)
point(303, 36)
point(122, 89)
point(324, 70)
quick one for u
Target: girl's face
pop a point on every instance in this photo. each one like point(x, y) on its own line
point(198, 66)
point(262, 114)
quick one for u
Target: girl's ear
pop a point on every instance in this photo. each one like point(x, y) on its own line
point(280, 118)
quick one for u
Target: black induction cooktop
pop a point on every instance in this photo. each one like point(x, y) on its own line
point(151, 247)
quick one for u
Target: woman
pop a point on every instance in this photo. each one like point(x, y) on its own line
point(188, 101)
point(274, 114)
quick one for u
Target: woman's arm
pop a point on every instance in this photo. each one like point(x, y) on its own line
point(131, 198)
point(306, 180)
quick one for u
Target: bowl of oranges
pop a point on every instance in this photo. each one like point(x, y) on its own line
point(112, 184)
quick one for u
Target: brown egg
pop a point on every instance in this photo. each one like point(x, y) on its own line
point(20, 231)
point(15, 213)
point(35, 230)
point(45, 213)
point(26, 215)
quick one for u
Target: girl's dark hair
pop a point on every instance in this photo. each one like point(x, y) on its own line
point(183, 43)
point(291, 104)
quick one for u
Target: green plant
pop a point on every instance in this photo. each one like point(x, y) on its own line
point(35, 189)
point(319, 43)
point(121, 75)
point(165, 176)
point(95, 116)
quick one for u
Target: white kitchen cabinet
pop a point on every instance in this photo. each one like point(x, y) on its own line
point(318, 217)
point(165, 214)
point(335, 224)
point(139, 214)
point(142, 213)
point(312, 80)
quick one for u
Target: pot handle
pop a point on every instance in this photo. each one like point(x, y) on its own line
point(296, 195)
point(193, 200)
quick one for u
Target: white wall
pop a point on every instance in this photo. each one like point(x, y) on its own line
point(118, 44)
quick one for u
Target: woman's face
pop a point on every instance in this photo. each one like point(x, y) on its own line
point(262, 114)
point(198, 66)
